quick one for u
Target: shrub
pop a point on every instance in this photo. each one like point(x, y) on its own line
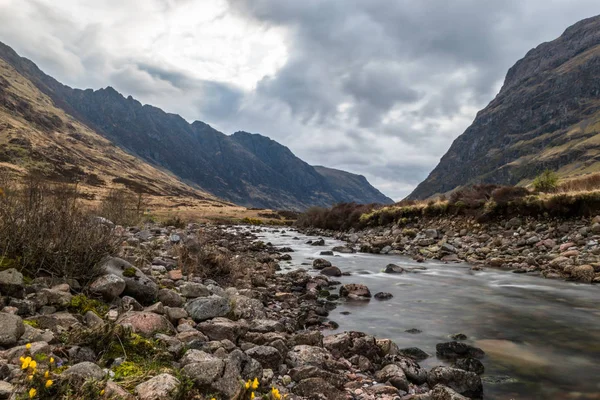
point(547, 181)
point(46, 231)
point(474, 196)
point(175, 221)
point(122, 207)
point(504, 194)
point(342, 216)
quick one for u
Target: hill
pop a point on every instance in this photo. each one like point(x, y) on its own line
point(225, 166)
point(546, 116)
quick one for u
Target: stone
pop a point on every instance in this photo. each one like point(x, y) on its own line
point(11, 283)
point(326, 253)
point(109, 286)
point(319, 242)
point(203, 308)
point(583, 273)
point(194, 290)
point(267, 356)
point(321, 263)
point(414, 352)
point(247, 308)
point(344, 249)
point(393, 269)
point(308, 355)
point(170, 298)
point(114, 391)
point(470, 364)
point(383, 296)
point(92, 320)
point(79, 354)
point(161, 387)
point(223, 328)
point(465, 383)
point(441, 392)
point(318, 388)
point(146, 323)
point(266, 325)
point(11, 329)
point(454, 350)
point(355, 291)
point(137, 284)
point(57, 297)
point(6, 390)
point(331, 271)
point(394, 375)
point(84, 371)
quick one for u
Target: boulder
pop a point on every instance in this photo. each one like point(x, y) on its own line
point(267, 356)
point(308, 355)
point(355, 291)
point(331, 271)
point(318, 388)
point(223, 328)
point(170, 298)
point(441, 392)
point(203, 308)
point(320, 263)
point(465, 383)
point(11, 283)
point(454, 350)
point(247, 308)
point(383, 296)
point(11, 329)
point(393, 269)
point(394, 375)
point(146, 323)
point(108, 286)
point(194, 290)
point(470, 364)
point(84, 371)
point(161, 387)
point(137, 284)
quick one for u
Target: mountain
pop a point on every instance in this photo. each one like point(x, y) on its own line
point(36, 135)
point(256, 173)
point(352, 186)
point(546, 116)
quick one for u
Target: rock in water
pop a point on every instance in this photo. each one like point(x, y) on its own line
point(393, 269)
point(355, 291)
point(321, 263)
point(383, 296)
point(464, 382)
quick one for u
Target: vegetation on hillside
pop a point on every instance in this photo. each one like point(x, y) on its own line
point(548, 198)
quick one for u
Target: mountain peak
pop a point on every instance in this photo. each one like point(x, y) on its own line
point(546, 116)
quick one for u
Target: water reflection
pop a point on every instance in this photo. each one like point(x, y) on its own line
point(542, 337)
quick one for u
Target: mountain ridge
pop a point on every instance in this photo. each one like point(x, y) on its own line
point(195, 152)
point(546, 116)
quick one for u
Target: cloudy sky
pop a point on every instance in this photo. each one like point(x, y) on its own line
point(376, 87)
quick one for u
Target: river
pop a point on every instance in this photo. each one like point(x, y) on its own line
point(541, 337)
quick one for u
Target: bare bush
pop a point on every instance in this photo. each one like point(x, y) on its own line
point(123, 207)
point(44, 230)
point(342, 216)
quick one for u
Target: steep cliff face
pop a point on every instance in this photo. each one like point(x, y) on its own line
point(249, 170)
point(547, 115)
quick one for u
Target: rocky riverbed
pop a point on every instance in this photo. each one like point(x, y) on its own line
point(202, 312)
point(554, 249)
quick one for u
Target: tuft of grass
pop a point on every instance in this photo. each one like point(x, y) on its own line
point(82, 304)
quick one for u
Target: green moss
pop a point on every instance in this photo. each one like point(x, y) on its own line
point(129, 272)
point(82, 304)
point(33, 324)
point(128, 369)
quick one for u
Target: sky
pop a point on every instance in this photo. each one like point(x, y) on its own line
point(376, 87)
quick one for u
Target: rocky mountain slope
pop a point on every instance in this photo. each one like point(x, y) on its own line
point(350, 186)
point(546, 116)
point(225, 166)
point(36, 135)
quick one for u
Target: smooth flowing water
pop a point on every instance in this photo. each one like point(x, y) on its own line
point(541, 337)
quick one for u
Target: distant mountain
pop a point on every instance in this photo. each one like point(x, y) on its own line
point(352, 187)
point(240, 168)
point(546, 116)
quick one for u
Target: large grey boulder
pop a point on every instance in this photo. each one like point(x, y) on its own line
point(394, 375)
point(11, 283)
point(84, 371)
point(137, 284)
point(146, 323)
point(204, 308)
point(11, 329)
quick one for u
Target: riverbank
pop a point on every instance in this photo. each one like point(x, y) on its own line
point(551, 248)
point(200, 313)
